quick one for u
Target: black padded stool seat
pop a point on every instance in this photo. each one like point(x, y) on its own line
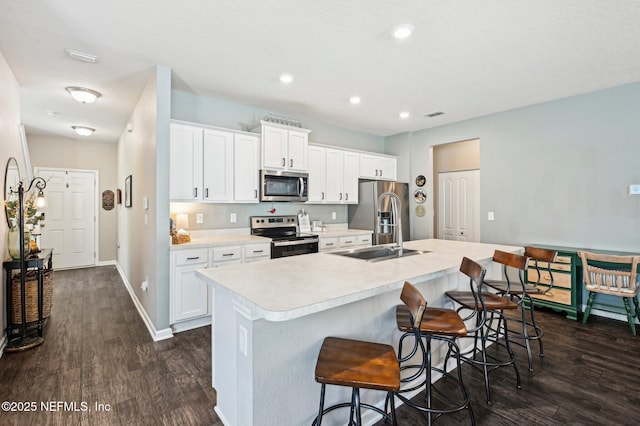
point(359, 365)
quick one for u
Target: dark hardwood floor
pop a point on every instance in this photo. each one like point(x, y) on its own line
point(98, 351)
point(589, 375)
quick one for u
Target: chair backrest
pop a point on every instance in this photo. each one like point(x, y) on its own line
point(610, 274)
point(474, 271)
point(414, 300)
point(511, 260)
point(545, 256)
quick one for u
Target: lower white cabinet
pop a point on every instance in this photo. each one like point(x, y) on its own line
point(256, 252)
point(222, 256)
point(189, 294)
point(345, 241)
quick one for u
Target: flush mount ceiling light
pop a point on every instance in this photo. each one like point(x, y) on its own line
point(81, 56)
point(402, 31)
point(355, 100)
point(404, 115)
point(83, 131)
point(83, 95)
point(286, 78)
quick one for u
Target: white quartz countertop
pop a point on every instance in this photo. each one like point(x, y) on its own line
point(291, 287)
point(219, 241)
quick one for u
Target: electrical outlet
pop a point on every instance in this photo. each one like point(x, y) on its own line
point(490, 216)
point(199, 218)
point(145, 284)
point(233, 218)
point(333, 215)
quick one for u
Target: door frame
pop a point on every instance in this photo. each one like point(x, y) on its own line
point(96, 202)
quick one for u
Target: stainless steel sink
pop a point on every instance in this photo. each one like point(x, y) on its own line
point(378, 253)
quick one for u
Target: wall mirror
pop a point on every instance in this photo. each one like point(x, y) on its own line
point(11, 180)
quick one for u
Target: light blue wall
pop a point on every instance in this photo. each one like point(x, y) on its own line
point(553, 173)
point(216, 112)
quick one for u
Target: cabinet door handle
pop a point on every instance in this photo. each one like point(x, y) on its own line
point(284, 161)
point(291, 162)
point(380, 172)
point(227, 254)
point(195, 192)
point(258, 251)
point(348, 242)
point(329, 244)
point(376, 172)
point(346, 196)
point(323, 195)
point(193, 258)
point(206, 193)
point(341, 196)
point(255, 193)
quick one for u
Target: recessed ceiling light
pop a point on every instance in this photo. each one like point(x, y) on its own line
point(83, 131)
point(286, 78)
point(83, 95)
point(81, 56)
point(402, 31)
point(404, 115)
point(355, 100)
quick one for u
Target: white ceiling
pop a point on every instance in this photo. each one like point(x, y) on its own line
point(466, 58)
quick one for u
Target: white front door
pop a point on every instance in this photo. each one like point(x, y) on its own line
point(459, 206)
point(70, 216)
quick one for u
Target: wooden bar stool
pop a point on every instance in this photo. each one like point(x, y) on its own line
point(425, 324)
point(359, 365)
point(480, 304)
point(520, 292)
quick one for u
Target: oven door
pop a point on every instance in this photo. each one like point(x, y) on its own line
point(293, 248)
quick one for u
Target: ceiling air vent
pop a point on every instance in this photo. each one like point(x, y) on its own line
point(434, 114)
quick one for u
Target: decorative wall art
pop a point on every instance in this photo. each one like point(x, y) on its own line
point(107, 200)
point(127, 191)
point(420, 181)
point(420, 196)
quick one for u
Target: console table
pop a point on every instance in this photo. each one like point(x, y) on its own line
point(24, 335)
point(568, 291)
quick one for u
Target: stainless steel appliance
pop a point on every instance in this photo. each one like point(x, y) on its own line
point(285, 238)
point(277, 185)
point(365, 214)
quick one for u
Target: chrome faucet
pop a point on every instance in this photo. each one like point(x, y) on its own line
point(395, 214)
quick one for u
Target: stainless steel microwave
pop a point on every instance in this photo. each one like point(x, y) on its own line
point(277, 185)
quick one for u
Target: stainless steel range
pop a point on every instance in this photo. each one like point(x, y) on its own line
point(283, 231)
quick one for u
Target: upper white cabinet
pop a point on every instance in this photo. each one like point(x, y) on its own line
point(186, 163)
point(213, 165)
point(317, 174)
point(378, 166)
point(284, 147)
point(333, 175)
point(246, 151)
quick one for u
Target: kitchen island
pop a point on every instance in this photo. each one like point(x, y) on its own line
point(270, 318)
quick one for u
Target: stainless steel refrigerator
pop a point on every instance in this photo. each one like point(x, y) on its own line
point(364, 215)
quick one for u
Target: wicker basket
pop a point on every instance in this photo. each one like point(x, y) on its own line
point(180, 238)
point(31, 292)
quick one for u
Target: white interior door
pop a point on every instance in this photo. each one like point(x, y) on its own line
point(70, 217)
point(459, 205)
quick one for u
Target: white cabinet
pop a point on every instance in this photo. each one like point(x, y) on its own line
point(284, 147)
point(348, 241)
point(246, 148)
point(317, 174)
point(328, 243)
point(256, 252)
point(213, 165)
point(186, 163)
point(217, 165)
point(222, 256)
point(189, 294)
point(345, 241)
point(376, 166)
point(365, 240)
point(333, 175)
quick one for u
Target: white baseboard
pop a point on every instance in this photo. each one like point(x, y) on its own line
point(156, 335)
point(191, 324)
point(107, 263)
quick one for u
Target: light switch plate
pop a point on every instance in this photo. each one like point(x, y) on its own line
point(199, 217)
point(491, 216)
point(233, 218)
